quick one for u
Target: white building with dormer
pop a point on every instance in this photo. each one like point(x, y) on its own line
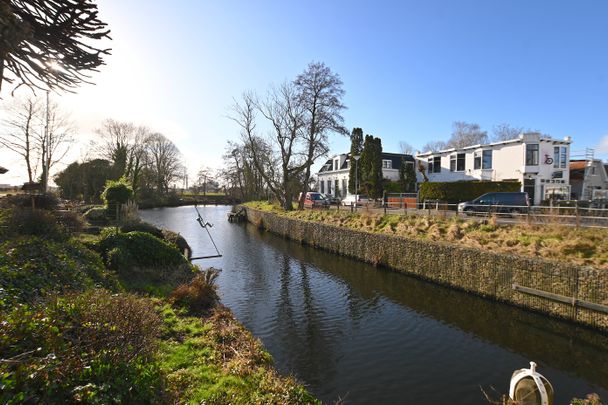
point(540, 163)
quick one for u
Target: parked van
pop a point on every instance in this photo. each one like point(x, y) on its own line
point(499, 202)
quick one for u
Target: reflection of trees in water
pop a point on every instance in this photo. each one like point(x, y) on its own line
point(564, 346)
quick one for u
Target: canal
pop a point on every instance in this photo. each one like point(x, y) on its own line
point(354, 332)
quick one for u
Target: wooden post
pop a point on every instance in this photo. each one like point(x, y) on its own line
point(578, 217)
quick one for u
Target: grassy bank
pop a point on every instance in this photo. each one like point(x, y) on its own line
point(579, 246)
point(120, 317)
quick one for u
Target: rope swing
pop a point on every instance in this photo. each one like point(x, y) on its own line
point(206, 225)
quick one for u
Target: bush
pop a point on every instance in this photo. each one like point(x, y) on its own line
point(200, 294)
point(33, 268)
point(25, 221)
point(117, 192)
point(178, 241)
point(97, 216)
point(41, 201)
point(459, 191)
point(92, 348)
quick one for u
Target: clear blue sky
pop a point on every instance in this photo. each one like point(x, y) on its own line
point(409, 68)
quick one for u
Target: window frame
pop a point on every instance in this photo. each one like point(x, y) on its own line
point(532, 154)
point(484, 163)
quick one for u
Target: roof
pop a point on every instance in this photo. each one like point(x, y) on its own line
point(3, 170)
point(395, 159)
point(578, 164)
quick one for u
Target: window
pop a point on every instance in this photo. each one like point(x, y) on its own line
point(336, 164)
point(564, 157)
point(328, 186)
point(387, 164)
point(336, 188)
point(532, 154)
point(322, 186)
point(344, 186)
point(430, 161)
point(437, 164)
point(556, 157)
point(452, 163)
point(460, 162)
point(487, 159)
point(477, 161)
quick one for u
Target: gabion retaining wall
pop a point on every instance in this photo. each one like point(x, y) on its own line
point(485, 273)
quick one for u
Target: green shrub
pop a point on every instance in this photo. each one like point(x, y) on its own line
point(117, 191)
point(200, 294)
point(92, 348)
point(141, 226)
point(97, 216)
point(25, 221)
point(33, 268)
point(178, 241)
point(459, 191)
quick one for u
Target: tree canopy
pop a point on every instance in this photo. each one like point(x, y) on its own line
point(49, 43)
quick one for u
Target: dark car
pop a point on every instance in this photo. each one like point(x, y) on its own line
point(315, 200)
point(499, 202)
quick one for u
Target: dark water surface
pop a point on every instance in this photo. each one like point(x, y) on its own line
point(367, 335)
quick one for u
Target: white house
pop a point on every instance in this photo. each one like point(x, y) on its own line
point(539, 162)
point(334, 174)
point(588, 178)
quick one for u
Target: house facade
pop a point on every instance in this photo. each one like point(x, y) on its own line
point(333, 176)
point(588, 179)
point(540, 163)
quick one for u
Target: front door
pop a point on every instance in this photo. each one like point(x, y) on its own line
point(529, 186)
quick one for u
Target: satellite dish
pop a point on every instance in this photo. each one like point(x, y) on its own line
point(530, 388)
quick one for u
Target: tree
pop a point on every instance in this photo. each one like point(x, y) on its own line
point(356, 147)
point(203, 176)
point(54, 141)
point(164, 162)
point(407, 176)
point(85, 181)
point(434, 146)
point(320, 94)
point(124, 144)
point(505, 132)
point(39, 34)
point(19, 134)
point(406, 148)
point(466, 134)
point(371, 166)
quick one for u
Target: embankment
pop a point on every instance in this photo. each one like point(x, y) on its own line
point(562, 290)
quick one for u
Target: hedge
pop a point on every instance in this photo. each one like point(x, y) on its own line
point(459, 191)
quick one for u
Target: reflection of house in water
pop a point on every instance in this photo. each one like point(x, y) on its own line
point(538, 162)
point(588, 177)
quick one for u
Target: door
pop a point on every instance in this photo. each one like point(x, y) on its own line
point(529, 187)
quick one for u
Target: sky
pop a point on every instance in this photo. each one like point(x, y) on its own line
point(409, 68)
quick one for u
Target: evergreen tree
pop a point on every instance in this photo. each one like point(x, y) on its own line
point(356, 147)
point(371, 166)
point(410, 177)
point(403, 176)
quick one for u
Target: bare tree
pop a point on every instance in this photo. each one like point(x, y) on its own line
point(505, 132)
point(202, 178)
point(36, 34)
point(55, 140)
point(434, 146)
point(164, 161)
point(320, 95)
point(19, 132)
point(466, 134)
point(406, 148)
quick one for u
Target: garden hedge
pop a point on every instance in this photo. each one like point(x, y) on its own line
point(459, 191)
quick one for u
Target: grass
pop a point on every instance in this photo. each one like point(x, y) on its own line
point(214, 359)
point(585, 246)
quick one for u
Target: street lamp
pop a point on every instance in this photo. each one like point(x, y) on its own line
point(356, 157)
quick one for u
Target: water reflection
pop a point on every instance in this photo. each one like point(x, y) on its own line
point(350, 330)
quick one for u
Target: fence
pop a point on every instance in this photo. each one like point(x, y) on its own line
point(572, 213)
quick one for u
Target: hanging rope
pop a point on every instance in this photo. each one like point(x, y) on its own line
point(206, 225)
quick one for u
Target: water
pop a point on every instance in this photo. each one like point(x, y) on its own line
point(349, 330)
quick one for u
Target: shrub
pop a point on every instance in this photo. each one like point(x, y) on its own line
point(141, 226)
point(97, 216)
point(41, 201)
point(71, 221)
point(25, 221)
point(93, 348)
point(200, 294)
point(33, 268)
point(178, 241)
point(117, 192)
point(459, 191)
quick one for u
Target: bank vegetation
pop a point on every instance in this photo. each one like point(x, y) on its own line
point(585, 246)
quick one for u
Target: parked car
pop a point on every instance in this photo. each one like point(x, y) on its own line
point(499, 202)
point(349, 200)
point(315, 200)
point(331, 199)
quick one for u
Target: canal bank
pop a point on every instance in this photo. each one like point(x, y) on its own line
point(567, 291)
